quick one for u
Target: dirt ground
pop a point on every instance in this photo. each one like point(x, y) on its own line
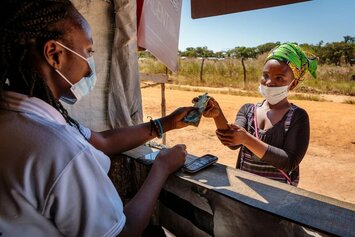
point(329, 165)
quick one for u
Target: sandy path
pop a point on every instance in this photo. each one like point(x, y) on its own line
point(329, 165)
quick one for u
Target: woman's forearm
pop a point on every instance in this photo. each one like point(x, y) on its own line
point(221, 121)
point(122, 139)
point(255, 145)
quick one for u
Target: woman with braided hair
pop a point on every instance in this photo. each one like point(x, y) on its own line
point(53, 178)
point(273, 135)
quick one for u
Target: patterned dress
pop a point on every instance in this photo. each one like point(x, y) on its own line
point(288, 141)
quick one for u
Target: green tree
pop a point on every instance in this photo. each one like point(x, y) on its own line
point(190, 52)
point(244, 53)
point(335, 53)
point(349, 39)
point(267, 47)
point(203, 53)
point(220, 54)
point(198, 52)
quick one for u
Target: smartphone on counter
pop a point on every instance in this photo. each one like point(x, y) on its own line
point(200, 163)
point(192, 164)
point(149, 158)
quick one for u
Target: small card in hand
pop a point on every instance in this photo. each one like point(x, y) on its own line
point(194, 117)
point(149, 158)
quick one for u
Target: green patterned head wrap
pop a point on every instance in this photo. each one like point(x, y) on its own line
point(296, 59)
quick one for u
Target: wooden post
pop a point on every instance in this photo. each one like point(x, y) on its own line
point(158, 79)
point(163, 107)
point(201, 69)
point(163, 102)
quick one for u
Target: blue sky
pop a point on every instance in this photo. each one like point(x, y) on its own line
point(307, 22)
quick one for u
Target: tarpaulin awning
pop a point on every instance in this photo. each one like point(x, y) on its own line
point(206, 8)
point(159, 21)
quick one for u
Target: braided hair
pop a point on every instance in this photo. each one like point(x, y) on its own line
point(24, 24)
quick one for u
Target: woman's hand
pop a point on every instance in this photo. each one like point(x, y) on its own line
point(212, 109)
point(171, 159)
point(234, 136)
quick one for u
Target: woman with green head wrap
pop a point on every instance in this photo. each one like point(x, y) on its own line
point(273, 135)
point(296, 59)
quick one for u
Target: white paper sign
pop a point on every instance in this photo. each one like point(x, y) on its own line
point(159, 28)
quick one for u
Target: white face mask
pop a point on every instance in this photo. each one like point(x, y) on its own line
point(273, 95)
point(82, 87)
